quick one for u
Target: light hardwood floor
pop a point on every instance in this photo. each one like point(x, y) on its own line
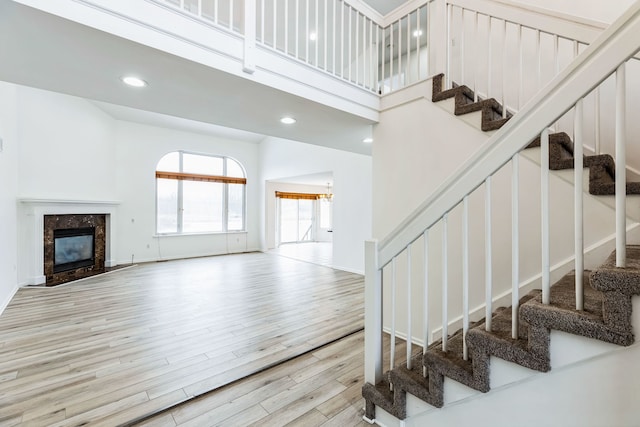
point(321, 388)
point(315, 252)
point(110, 349)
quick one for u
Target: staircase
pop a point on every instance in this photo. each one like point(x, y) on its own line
point(607, 297)
point(601, 167)
point(606, 317)
point(594, 304)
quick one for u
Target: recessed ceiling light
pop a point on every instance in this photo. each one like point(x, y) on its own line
point(313, 36)
point(417, 33)
point(133, 81)
point(368, 140)
point(288, 120)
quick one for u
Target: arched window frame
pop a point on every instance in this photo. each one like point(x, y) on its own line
point(182, 175)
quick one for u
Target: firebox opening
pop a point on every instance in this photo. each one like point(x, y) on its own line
point(73, 248)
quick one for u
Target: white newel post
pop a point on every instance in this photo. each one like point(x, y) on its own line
point(372, 314)
point(249, 64)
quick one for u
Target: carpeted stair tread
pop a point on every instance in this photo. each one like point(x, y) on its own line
point(619, 285)
point(499, 343)
point(381, 395)
point(562, 315)
point(560, 150)
point(464, 104)
point(427, 388)
point(625, 280)
point(472, 372)
point(602, 182)
point(601, 167)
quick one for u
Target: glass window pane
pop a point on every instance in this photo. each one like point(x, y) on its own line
point(206, 165)
point(169, 163)
point(305, 219)
point(288, 220)
point(234, 169)
point(325, 214)
point(202, 203)
point(236, 203)
point(167, 220)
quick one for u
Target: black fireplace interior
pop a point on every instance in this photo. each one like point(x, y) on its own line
point(73, 248)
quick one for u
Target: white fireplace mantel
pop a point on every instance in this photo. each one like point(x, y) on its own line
point(33, 211)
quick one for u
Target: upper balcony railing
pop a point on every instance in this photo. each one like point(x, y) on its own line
point(227, 14)
point(329, 35)
point(492, 46)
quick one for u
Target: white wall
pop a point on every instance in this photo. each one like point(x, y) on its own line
point(413, 152)
point(71, 150)
point(8, 193)
point(65, 152)
point(66, 147)
point(139, 148)
point(282, 158)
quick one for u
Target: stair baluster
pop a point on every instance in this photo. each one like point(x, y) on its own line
point(621, 171)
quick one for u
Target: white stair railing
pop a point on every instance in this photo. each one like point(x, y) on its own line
point(335, 37)
point(227, 14)
point(605, 57)
point(484, 38)
point(498, 48)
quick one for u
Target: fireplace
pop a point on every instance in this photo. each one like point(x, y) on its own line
point(74, 247)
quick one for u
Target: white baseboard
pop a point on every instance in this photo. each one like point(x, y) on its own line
point(183, 256)
point(37, 280)
point(7, 300)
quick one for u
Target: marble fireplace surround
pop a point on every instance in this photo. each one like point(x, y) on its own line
point(54, 223)
point(34, 211)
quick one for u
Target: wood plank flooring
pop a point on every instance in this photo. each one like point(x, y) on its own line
point(318, 388)
point(321, 388)
point(113, 348)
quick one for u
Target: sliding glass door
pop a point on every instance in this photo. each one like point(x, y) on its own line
point(297, 220)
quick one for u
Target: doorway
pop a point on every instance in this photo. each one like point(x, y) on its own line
point(305, 230)
point(299, 217)
point(297, 220)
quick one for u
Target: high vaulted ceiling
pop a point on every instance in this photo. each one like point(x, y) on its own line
point(385, 6)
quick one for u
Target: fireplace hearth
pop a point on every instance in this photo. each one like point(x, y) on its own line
point(74, 247)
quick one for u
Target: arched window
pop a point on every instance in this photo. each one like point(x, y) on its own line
point(199, 193)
